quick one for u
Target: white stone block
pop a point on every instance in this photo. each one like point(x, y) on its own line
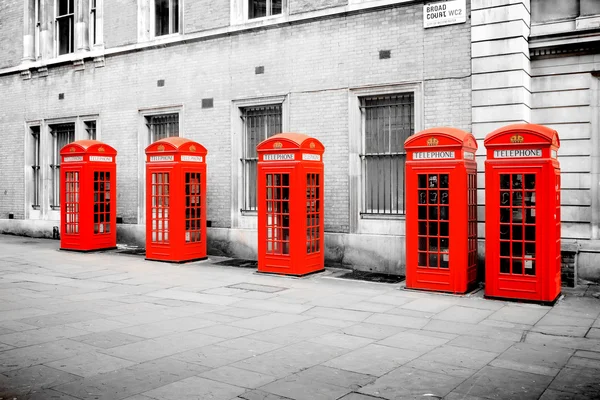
point(571, 131)
point(499, 113)
point(581, 164)
point(501, 30)
point(504, 62)
point(510, 12)
point(498, 80)
point(560, 82)
point(513, 95)
point(562, 115)
point(497, 47)
point(479, 4)
point(563, 98)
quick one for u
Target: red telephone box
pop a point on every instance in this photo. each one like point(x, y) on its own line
point(290, 205)
point(441, 210)
point(175, 200)
point(88, 176)
point(522, 199)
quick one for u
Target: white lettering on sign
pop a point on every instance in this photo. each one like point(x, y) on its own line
point(101, 158)
point(192, 158)
point(444, 13)
point(431, 155)
point(554, 154)
point(521, 153)
point(162, 158)
point(469, 155)
point(311, 157)
point(73, 159)
point(279, 157)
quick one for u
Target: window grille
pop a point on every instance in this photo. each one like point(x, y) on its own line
point(90, 128)
point(162, 126)
point(65, 26)
point(387, 122)
point(166, 17)
point(35, 132)
point(62, 134)
point(264, 8)
point(260, 123)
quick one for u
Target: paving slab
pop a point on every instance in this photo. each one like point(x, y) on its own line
point(464, 314)
point(583, 381)
point(303, 388)
point(502, 383)
point(406, 382)
point(520, 314)
point(338, 377)
point(33, 379)
point(258, 394)
point(372, 359)
point(108, 340)
point(537, 359)
point(195, 388)
point(90, 364)
point(459, 356)
point(238, 377)
point(372, 331)
point(133, 380)
point(290, 359)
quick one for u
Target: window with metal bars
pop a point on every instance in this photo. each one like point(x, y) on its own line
point(162, 126)
point(387, 121)
point(35, 133)
point(90, 128)
point(62, 134)
point(166, 17)
point(65, 26)
point(264, 8)
point(260, 123)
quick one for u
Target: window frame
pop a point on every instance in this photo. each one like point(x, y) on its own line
point(55, 161)
point(144, 137)
point(58, 19)
point(392, 224)
point(247, 219)
point(172, 24)
point(378, 156)
point(252, 159)
point(268, 9)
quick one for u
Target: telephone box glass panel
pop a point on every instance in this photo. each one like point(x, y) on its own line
point(433, 221)
point(313, 217)
point(278, 213)
point(71, 203)
point(160, 207)
point(518, 224)
point(193, 207)
point(102, 202)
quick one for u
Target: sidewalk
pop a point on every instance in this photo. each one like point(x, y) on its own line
point(113, 326)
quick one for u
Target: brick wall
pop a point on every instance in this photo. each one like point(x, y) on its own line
point(314, 63)
point(205, 14)
point(300, 6)
point(11, 32)
point(120, 22)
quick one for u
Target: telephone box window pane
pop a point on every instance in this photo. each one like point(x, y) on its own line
point(193, 207)
point(160, 207)
point(278, 216)
point(313, 226)
point(101, 202)
point(71, 223)
point(505, 265)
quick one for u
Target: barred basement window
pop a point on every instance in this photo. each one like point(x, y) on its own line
point(166, 17)
point(162, 126)
point(65, 26)
point(90, 128)
point(264, 8)
point(260, 123)
point(387, 121)
point(35, 132)
point(62, 134)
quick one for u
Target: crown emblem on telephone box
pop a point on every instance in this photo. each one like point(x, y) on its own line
point(432, 142)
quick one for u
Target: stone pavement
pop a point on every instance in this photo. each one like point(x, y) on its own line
point(114, 326)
